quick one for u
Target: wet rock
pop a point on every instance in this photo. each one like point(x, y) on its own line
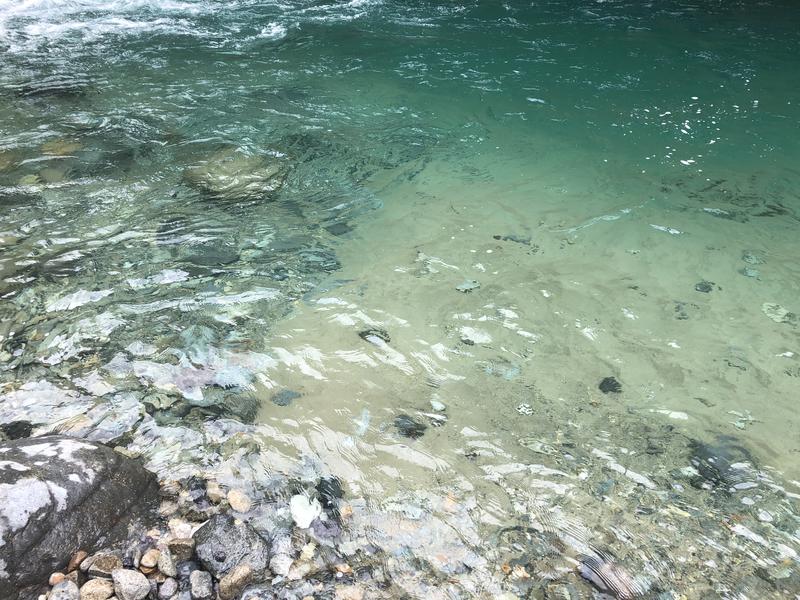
point(468, 286)
point(409, 427)
point(610, 385)
point(208, 255)
point(97, 589)
point(721, 464)
point(304, 510)
point(168, 589)
point(608, 576)
point(16, 430)
point(150, 558)
point(752, 258)
point(61, 494)
point(181, 548)
point(239, 501)
point(369, 334)
point(749, 272)
point(76, 560)
point(130, 585)
point(185, 569)
point(778, 313)
point(281, 564)
point(330, 490)
point(166, 564)
point(201, 585)
point(103, 565)
point(284, 397)
point(224, 542)
point(339, 228)
point(231, 174)
point(231, 585)
point(704, 286)
point(517, 239)
point(66, 590)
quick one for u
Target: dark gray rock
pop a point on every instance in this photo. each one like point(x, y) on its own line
point(409, 427)
point(59, 495)
point(224, 542)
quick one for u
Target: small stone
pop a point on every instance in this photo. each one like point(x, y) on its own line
point(284, 397)
point(150, 558)
point(103, 565)
point(97, 589)
point(233, 583)
point(76, 560)
point(304, 511)
point(438, 406)
point(408, 427)
point(201, 585)
point(373, 335)
point(239, 501)
point(168, 589)
point(66, 590)
point(704, 286)
point(86, 563)
point(468, 286)
point(280, 564)
point(166, 564)
point(130, 585)
point(214, 493)
point(181, 548)
point(610, 385)
point(55, 579)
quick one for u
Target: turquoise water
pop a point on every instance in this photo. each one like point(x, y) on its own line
point(205, 203)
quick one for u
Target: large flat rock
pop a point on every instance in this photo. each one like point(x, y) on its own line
point(60, 494)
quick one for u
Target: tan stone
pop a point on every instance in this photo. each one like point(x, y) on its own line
point(233, 583)
point(56, 578)
point(239, 501)
point(97, 589)
point(76, 560)
point(214, 492)
point(150, 558)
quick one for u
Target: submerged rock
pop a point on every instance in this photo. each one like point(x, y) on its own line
point(233, 175)
point(610, 385)
point(58, 495)
point(409, 427)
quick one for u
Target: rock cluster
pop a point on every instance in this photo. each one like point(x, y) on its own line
point(223, 558)
point(57, 495)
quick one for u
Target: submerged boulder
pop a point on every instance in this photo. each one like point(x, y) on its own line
point(59, 495)
point(230, 174)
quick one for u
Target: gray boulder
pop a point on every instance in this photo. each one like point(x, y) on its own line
point(232, 174)
point(224, 542)
point(58, 495)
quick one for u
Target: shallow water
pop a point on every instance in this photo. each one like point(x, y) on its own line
point(620, 181)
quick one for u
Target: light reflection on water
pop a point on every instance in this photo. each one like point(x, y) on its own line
point(619, 181)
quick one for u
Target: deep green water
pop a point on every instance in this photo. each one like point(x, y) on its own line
point(589, 163)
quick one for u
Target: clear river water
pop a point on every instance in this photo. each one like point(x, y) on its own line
point(523, 276)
